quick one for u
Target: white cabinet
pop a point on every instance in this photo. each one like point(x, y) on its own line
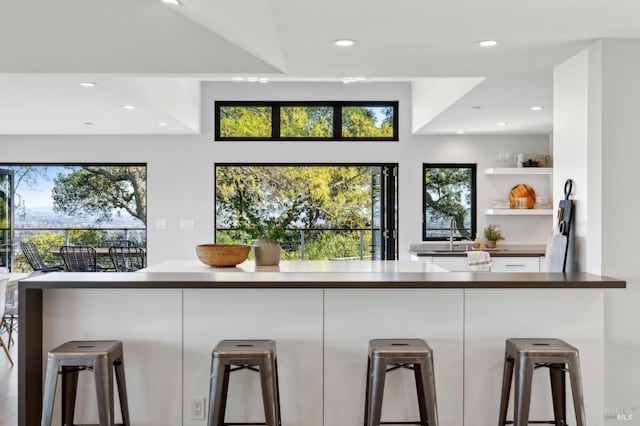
point(515, 264)
point(498, 264)
point(452, 263)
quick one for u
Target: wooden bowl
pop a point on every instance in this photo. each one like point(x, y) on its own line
point(222, 254)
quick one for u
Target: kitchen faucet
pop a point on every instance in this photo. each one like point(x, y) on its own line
point(452, 229)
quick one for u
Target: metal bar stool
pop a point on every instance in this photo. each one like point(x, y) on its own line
point(525, 355)
point(98, 356)
point(244, 354)
point(413, 354)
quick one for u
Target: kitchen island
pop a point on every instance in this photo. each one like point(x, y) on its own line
point(321, 314)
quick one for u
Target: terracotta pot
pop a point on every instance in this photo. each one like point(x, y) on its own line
point(267, 252)
point(490, 244)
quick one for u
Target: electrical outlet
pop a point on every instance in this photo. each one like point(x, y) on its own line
point(197, 408)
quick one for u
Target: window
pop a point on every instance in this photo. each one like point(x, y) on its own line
point(449, 190)
point(318, 212)
point(81, 204)
point(328, 121)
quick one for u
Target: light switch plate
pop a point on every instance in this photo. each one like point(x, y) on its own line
point(186, 224)
point(161, 224)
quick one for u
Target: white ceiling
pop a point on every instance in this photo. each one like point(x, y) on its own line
point(152, 54)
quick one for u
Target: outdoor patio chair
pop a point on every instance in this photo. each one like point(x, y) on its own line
point(30, 251)
point(128, 259)
point(79, 259)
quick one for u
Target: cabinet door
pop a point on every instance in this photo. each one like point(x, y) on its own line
point(452, 263)
point(515, 264)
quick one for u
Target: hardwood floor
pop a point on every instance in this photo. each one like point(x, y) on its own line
point(9, 389)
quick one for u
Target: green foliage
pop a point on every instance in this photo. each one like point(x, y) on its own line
point(98, 190)
point(306, 122)
point(259, 199)
point(447, 194)
point(245, 121)
point(492, 233)
point(360, 122)
point(87, 237)
point(276, 202)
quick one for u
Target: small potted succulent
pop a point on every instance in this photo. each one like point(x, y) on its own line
point(492, 234)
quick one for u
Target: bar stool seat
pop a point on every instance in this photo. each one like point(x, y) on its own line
point(98, 356)
point(524, 356)
point(413, 354)
point(256, 355)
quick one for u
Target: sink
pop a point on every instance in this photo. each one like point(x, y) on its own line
point(460, 250)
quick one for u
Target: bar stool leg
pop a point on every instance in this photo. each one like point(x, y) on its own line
point(104, 391)
point(278, 394)
point(576, 389)
point(218, 392)
point(269, 398)
point(122, 391)
point(69, 392)
point(50, 382)
point(377, 377)
point(426, 386)
point(507, 377)
point(366, 393)
point(558, 394)
point(522, 395)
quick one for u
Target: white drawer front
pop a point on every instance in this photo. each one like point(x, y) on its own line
point(515, 264)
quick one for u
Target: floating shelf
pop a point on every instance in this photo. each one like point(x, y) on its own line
point(518, 212)
point(519, 171)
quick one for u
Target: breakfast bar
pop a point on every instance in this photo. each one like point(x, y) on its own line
point(322, 315)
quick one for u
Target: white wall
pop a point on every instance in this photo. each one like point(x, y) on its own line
point(596, 114)
point(570, 132)
point(180, 168)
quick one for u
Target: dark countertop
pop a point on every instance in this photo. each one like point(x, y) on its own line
point(494, 253)
point(321, 280)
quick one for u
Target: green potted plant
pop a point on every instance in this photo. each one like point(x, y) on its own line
point(267, 235)
point(492, 234)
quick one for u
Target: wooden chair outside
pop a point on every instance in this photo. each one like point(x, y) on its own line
point(128, 259)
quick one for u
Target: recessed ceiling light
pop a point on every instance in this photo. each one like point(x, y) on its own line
point(488, 43)
point(88, 84)
point(162, 124)
point(344, 42)
point(173, 2)
point(501, 123)
point(87, 123)
point(460, 132)
point(129, 107)
point(536, 108)
point(476, 107)
point(237, 78)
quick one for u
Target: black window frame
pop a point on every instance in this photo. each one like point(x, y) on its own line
point(337, 119)
point(474, 196)
point(389, 231)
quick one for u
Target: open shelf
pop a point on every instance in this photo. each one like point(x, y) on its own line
point(518, 212)
point(519, 171)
